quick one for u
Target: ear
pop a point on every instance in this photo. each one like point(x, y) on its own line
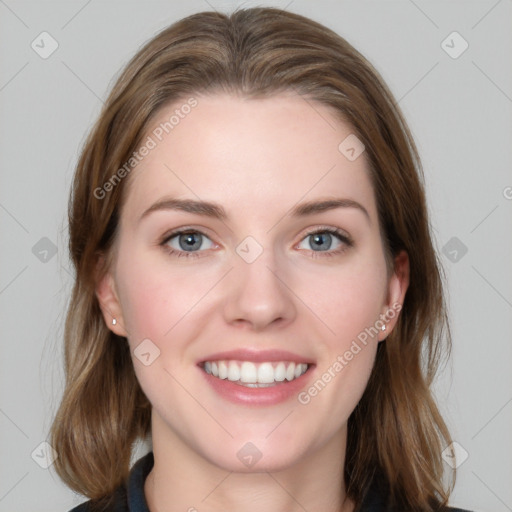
point(397, 287)
point(109, 301)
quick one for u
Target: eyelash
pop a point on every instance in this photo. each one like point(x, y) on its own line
point(346, 240)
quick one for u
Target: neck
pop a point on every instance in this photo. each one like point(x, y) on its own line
point(182, 480)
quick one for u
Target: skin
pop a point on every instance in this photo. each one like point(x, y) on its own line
point(257, 158)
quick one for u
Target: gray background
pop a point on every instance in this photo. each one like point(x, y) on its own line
point(459, 110)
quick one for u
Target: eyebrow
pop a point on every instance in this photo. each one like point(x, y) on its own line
point(216, 211)
point(313, 207)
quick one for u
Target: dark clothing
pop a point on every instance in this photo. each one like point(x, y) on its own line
point(131, 498)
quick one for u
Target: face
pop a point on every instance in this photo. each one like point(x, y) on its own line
point(250, 280)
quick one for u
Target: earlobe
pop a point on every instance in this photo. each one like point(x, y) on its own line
point(109, 304)
point(398, 284)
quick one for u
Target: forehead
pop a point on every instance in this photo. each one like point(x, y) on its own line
point(251, 155)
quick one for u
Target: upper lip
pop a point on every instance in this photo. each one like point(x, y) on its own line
point(257, 356)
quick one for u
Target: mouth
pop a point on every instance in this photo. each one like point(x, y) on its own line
point(256, 378)
point(255, 374)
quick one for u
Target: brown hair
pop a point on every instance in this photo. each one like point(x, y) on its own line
point(396, 430)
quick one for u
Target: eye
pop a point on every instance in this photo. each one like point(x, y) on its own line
point(331, 241)
point(186, 241)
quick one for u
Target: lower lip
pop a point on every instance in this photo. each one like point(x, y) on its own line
point(271, 395)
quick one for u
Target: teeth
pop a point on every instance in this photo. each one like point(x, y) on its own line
point(251, 374)
point(280, 372)
point(290, 372)
point(265, 373)
point(248, 373)
point(233, 372)
point(223, 370)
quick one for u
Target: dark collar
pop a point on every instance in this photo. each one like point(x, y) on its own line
point(135, 494)
point(131, 498)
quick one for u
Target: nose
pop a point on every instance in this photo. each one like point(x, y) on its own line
point(258, 296)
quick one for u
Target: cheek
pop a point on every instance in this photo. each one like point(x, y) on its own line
point(144, 308)
point(157, 296)
point(145, 294)
point(350, 309)
point(346, 300)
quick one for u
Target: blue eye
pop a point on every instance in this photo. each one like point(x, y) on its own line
point(321, 241)
point(192, 243)
point(330, 241)
point(187, 242)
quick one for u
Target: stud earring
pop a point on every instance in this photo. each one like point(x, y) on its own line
point(383, 328)
point(114, 321)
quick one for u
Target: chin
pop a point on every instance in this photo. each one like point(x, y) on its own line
point(256, 454)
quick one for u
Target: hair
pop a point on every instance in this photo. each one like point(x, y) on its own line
point(396, 431)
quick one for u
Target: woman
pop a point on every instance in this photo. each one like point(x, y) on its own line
point(255, 283)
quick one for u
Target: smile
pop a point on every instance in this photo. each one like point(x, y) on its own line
point(255, 375)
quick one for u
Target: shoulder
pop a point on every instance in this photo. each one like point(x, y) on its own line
point(128, 497)
point(118, 502)
point(376, 498)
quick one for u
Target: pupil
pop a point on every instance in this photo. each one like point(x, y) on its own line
point(189, 241)
point(322, 241)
